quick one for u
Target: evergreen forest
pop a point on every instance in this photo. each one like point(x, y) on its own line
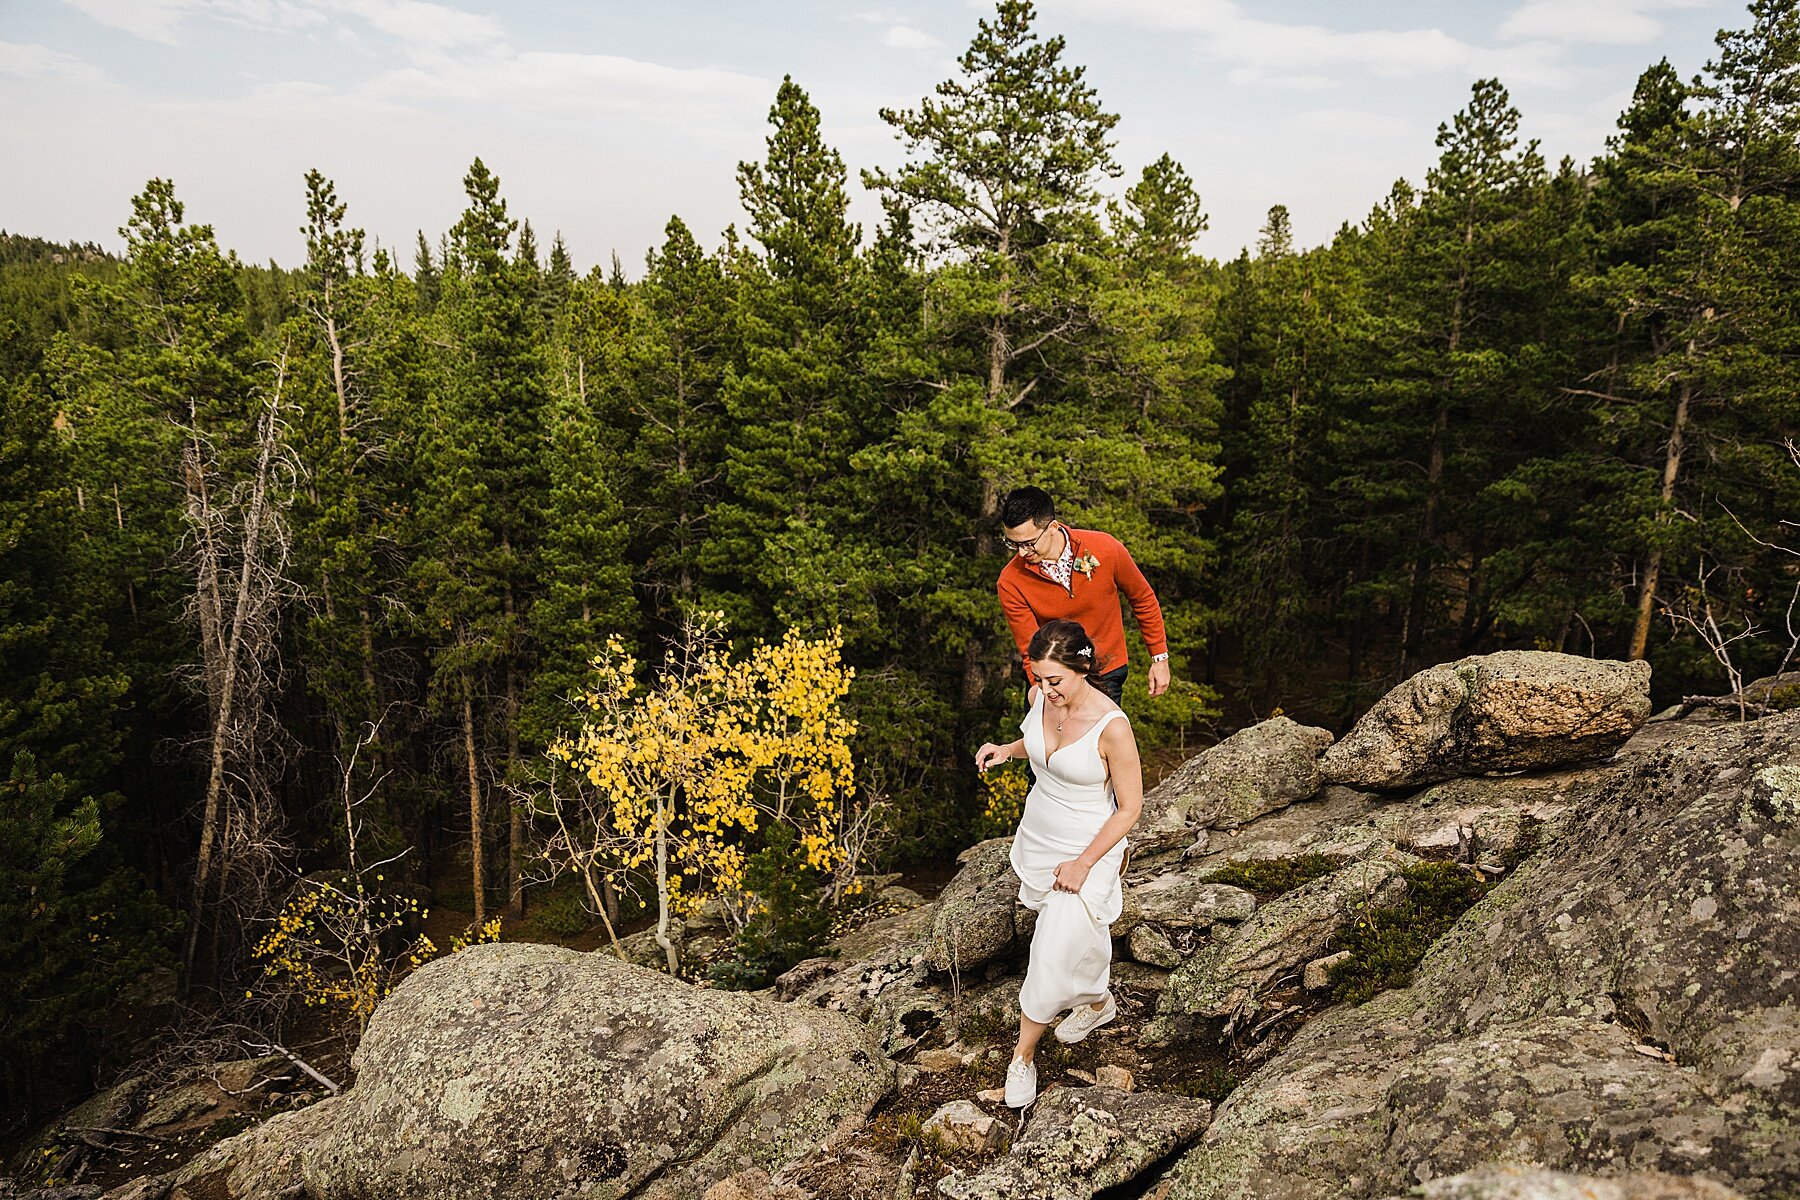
point(304, 569)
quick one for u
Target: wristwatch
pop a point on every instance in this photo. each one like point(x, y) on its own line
point(1163, 657)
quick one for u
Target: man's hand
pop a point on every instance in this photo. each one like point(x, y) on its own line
point(1159, 677)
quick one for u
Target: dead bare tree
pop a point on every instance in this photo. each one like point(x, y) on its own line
point(581, 844)
point(1695, 611)
point(236, 545)
point(1699, 609)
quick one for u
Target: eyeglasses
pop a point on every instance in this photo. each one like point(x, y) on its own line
point(1032, 545)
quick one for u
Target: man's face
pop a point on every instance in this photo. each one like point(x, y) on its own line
point(1030, 540)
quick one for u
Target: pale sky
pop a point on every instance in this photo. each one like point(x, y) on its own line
point(604, 117)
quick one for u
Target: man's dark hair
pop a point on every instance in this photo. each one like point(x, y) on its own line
point(1027, 504)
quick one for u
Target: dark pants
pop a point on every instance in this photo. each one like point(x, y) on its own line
point(1112, 684)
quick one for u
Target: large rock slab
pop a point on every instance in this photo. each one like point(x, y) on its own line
point(1300, 828)
point(882, 935)
point(1256, 770)
point(978, 917)
point(890, 992)
point(514, 1070)
point(1180, 900)
point(1624, 1002)
point(262, 1163)
point(1081, 1141)
point(1513, 1181)
point(1514, 710)
point(1225, 978)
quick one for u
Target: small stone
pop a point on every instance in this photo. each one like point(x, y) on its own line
point(1318, 972)
point(1647, 1050)
point(1078, 1073)
point(992, 1095)
point(937, 1061)
point(963, 1126)
point(1151, 945)
point(1114, 1076)
point(1215, 902)
point(1442, 838)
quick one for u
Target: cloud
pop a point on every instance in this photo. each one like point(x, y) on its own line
point(579, 86)
point(1298, 83)
point(423, 25)
point(444, 54)
point(152, 20)
point(1607, 22)
point(903, 37)
point(420, 26)
point(1310, 56)
point(31, 61)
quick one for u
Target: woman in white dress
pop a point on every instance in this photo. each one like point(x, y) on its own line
point(1070, 843)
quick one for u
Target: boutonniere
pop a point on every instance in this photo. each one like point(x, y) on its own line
point(1086, 564)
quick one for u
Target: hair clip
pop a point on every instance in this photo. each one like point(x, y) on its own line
point(1086, 652)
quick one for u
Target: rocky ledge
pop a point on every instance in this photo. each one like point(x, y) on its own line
point(1608, 1009)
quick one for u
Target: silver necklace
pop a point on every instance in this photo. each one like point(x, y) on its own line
point(1066, 715)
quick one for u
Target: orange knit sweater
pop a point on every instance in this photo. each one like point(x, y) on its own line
point(1029, 597)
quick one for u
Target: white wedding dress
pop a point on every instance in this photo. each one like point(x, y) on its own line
point(1071, 949)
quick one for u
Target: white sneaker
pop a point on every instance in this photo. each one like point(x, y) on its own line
point(1084, 1020)
point(1021, 1083)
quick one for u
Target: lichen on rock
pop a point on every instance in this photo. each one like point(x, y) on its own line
point(1623, 1003)
point(517, 1070)
point(1512, 710)
point(1082, 1141)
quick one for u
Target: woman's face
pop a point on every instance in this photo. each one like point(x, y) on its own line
point(1061, 684)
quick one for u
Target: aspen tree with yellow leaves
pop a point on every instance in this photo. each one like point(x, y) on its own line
point(678, 777)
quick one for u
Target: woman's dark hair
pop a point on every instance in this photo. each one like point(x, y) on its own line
point(1065, 643)
point(1027, 504)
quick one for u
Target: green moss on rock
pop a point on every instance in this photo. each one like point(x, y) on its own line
point(1385, 945)
point(1267, 878)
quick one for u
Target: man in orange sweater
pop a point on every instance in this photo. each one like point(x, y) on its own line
point(1077, 575)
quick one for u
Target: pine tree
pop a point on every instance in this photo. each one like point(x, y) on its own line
point(1002, 179)
point(1452, 337)
point(1300, 314)
point(81, 930)
point(177, 383)
point(345, 440)
point(1145, 412)
point(670, 411)
point(1701, 191)
point(60, 692)
point(584, 575)
point(481, 507)
point(426, 279)
point(784, 539)
point(559, 282)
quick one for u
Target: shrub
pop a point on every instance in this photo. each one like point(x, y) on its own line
point(562, 914)
point(789, 923)
point(331, 944)
point(1003, 792)
point(1385, 945)
point(1209, 1083)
